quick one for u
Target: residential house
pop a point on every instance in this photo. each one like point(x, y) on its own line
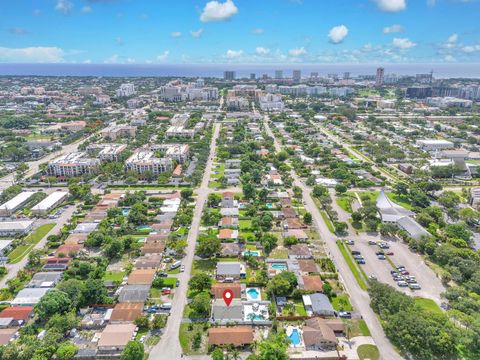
point(233, 335)
point(318, 304)
point(230, 271)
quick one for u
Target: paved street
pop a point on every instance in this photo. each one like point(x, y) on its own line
point(359, 298)
point(33, 166)
point(13, 269)
point(169, 346)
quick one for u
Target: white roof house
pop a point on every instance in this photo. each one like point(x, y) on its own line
point(15, 227)
point(29, 296)
point(14, 204)
point(50, 201)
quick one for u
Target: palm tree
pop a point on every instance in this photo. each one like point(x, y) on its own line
point(348, 331)
point(235, 354)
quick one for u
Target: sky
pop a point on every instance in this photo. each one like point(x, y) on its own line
point(239, 31)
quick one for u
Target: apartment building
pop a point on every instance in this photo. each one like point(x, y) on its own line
point(73, 126)
point(110, 152)
point(125, 90)
point(72, 164)
point(178, 152)
point(144, 160)
point(113, 132)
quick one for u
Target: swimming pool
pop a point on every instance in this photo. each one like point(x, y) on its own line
point(251, 253)
point(144, 228)
point(279, 266)
point(295, 337)
point(253, 294)
point(125, 211)
point(270, 206)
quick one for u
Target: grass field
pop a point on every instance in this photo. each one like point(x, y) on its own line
point(345, 202)
point(114, 276)
point(353, 267)
point(327, 221)
point(428, 305)
point(341, 302)
point(30, 241)
point(400, 200)
point(245, 224)
point(279, 254)
point(186, 336)
point(368, 352)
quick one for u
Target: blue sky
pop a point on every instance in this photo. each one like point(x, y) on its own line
point(240, 31)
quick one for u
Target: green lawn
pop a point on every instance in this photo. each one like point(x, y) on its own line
point(245, 224)
point(345, 202)
point(186, 335)
point(364, 330)
point(400, 200)
point(368, 352)
point(372, 195)
point(353, 266)
point(327, 221)
point(174, 271)
point(299, 308)
point(30, 241)
point(114, 276)
point(428, 305)
point(341, 302)
point(168, 282)
point(279, 254)
point(207, 266)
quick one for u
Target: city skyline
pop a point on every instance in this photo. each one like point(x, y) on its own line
point(240, 32)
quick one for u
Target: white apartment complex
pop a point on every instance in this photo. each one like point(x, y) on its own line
point(125, 90)
point(178, 152)
point(271, 102)
point(114, 131)
point(72, 164)
point(144, 160)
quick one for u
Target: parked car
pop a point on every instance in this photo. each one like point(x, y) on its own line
point(402, 283)
point(350, 242)
point(345, 314)
point(355, 252)
point(371, 242)
point(162, 274)
point(360, 261)
point(373, 277)
point(166, 306)
point(390, 253)
point(182, 268)
point(177, 283)
point(381, 257)
point(414, 286)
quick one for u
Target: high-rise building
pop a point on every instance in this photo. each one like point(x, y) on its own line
point(278, 74)
point(314, 75)
point(252, 76)
point(297, 75)
point(379, 77)
point(229, 75)
point(346, 75)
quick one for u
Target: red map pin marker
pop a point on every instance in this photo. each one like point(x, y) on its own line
point(228, 296)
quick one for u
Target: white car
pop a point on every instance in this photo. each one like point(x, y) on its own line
point(402, 283)
point(414, 286)
point(182, 268)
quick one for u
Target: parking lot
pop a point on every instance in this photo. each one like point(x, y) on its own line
point(431, 286)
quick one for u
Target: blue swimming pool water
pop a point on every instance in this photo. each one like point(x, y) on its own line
point(125, 211)
point(279, 266)
point(253, 293)
point(251, 253)
point(270, 206)
point(295, 337)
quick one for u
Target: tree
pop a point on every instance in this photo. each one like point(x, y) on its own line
point(209, 247)
point(469, 215)
point(217, 354)
point(142, 322)
point(297, 192)
point(340, 227)
point(458, 231)
point(319, 191)
point(201, 305)
point(114, 249)
point(214, 199)
point(449, 199)
point(249, 191)
point(307, 218)
point(62, 323)
point(186, 194)
point(66, 351)
point(53, 302)
point(290, 240)
point(94, 292)
point(138, 214)
point(341, 188)
point(74, 289)
point(401, 188)
point(133, 351)
point(268, 241)
point(282, 284)
point(200, 282)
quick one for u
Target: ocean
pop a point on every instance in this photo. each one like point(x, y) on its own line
point(467, 70)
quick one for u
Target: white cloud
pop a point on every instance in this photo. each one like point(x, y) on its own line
point(88, 61)
point(86, 10)
point(403, 43)
point(163, 56)
point(449, 58)
point(197, 34)
point(258, 31)
point(391, 5)
point(337, 34)
point(393, 29)
point(232, 54)
point(32, 54)
point(64, 6)
point(471, 48)
point(218, 11)
point(130, 61)
point(452, 39)
point(261, 50)
point(296, 52)
point(176, 34)
point(112, 59)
